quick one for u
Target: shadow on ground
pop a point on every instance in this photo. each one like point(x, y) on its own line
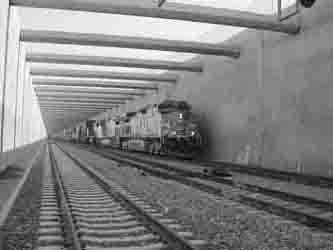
point(12, 172)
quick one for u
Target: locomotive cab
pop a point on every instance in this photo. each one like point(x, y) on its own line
point(180, 130)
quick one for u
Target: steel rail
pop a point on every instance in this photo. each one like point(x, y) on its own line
point(169, 236)
point(63, 202)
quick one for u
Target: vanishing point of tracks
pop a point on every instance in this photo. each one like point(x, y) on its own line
point(80, 209)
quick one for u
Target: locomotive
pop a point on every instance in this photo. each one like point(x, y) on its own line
point(169, 128)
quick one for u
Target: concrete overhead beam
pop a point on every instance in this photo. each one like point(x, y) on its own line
point(96, 84)
point(55, 109)
point(57, 116)
point(183, 12)
point(81, 97)
point(94, 103)
point(101, 40)
point(103, 74)
point(112, 62)
point(64, 115)
point(75, 111)
point(52, 115)
point(52, 120)
point(76, 100)
point(42, 100)
point(79, 91)
point(65, 100)
point(64, 112)
point(78, 105)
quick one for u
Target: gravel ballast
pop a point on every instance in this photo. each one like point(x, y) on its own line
point(224, 223)
point(16, 166)
point(19, 231)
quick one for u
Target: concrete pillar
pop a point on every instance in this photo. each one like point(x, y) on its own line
point(9, 101)
point(24, 104)
point(4, 16)
point(17, 90)
point(20, 97)
point(28, 112)
point(258, 151)
point(37, 126)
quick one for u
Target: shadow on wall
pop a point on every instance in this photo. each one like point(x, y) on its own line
point(206, 137)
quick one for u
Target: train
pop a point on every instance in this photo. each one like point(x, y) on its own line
point(168, 128)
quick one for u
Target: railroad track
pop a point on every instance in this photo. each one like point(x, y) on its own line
point(51, 231)
point(80, 209)
point(311, 212)
point(220, 168)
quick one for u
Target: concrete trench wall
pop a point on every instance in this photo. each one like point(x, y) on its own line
point(11, 84)
point(286, 124)
point(4, 12)
point(21, 117)
point(292, 126)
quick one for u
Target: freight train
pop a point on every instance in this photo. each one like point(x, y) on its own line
point(169, 128)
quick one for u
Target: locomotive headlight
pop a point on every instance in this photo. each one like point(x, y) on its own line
point(192, 133)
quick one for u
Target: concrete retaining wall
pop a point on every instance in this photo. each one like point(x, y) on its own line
point(4, 8)
point(293, 124)
point(286, 123)
point(21, 119)
point(11, 80)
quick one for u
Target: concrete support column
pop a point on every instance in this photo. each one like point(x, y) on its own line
point(259, 150)
point(9, 94)
point(24, 101)
point(4, 16)
point(28, 112)
point(19, 97)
